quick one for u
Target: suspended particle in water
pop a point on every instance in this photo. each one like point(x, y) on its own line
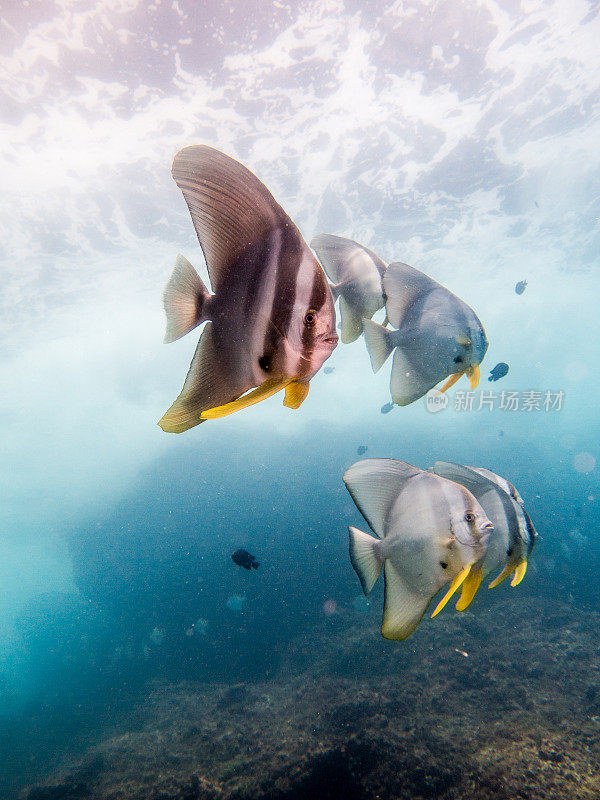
point(157, 636)
point(584, 463)
point(235, 602)
point(330, 607)
point(360, 603)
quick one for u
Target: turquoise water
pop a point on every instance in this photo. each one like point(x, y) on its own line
point(459, 138)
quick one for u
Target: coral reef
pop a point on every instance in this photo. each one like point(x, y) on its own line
point(500, 702)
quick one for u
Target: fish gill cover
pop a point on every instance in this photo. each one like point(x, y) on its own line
point(458, 138)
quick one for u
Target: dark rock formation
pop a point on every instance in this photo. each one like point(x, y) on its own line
point(499, 702)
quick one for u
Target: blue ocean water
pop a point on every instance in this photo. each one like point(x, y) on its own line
point(461, 139)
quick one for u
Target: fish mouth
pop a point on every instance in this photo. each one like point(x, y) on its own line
point(329, 338)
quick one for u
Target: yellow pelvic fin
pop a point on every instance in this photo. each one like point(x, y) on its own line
point(469, 589)
point(456, 583)
point(295, 394)
point(504, 574)
point(473, 375)
point(267, 389)
point(519, 573)
point(451, 381)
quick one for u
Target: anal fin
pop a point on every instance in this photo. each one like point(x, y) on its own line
point(208, 383)
point(403, 608)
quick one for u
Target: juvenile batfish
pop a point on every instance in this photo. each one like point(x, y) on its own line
point(430, 533)
point(437, 335)
point(513, 536)
point(271, 319)
point(356, 273)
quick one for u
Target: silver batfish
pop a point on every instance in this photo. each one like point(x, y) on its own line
point(356, 273)
point(430, 533)
point(271, 320)
point(437, 335)
point(513, 538)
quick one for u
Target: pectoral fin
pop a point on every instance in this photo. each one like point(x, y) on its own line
point(503, 575)
point(451, 381)
point(469, 589)
point(473, 375)
point(519, 573)
point(296, 393)
point(267, 389)
point(456, 584)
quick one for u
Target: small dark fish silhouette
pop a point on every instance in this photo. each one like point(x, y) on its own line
point(499, 371)
point(361, 449)
point(243, 559)
point(501, 433)
point(328, 370)
point(520, 287)
point(387, 408)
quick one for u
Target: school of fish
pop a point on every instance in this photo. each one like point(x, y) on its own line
point(269, 326)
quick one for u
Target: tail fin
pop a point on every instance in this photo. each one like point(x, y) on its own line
point(364, 557)
point(336, 290)
point(184, 300)
point(352, 325)
point(255, 564)
point(379, 342)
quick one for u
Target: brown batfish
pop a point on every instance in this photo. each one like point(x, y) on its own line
point(270, 322)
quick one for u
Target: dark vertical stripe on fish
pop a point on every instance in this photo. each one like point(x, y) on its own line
point(289, 260)
point(317, 301)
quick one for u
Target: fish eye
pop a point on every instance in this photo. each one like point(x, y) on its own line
point(469, 517)
point(443, 564)
point(263, 363)
point(458, 360)
point(310, 318)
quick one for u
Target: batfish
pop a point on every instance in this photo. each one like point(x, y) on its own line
point(438, 335)
point(430, 533)
point(356, 273)
point(513, 537)
point(270, 322)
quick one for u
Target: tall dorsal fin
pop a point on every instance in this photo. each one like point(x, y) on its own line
point(468, 477)
point(336, 252)
point(230, 208)
point(403, 284)
point(374, 484)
